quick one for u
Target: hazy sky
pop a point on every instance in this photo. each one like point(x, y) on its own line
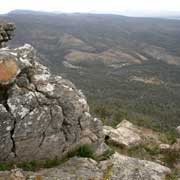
point(91, 5)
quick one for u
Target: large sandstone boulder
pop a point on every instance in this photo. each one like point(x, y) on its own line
point(42, 116)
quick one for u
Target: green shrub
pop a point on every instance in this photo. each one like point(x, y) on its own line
point(106, 155)
point(169, 137)
point(173, 175)
point(82, 151)
point(4, 167)
point(118, 116)
point(85, 151)
point(170, 158)
point(29, 166)
point(52, 163)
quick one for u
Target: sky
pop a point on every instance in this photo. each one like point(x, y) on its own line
point(108, 6)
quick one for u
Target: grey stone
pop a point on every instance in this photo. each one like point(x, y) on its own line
point(42, 116)
point(126, 168)
point(122, 135)
point(6, 32)
point(118, 167)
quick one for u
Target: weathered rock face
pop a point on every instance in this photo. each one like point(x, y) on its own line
point(123, 135)
point(6, 32)
point(118, 167)
point(127, 168)
point(128, 135)
point(41, 116)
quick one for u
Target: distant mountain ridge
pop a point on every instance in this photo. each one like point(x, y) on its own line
point(153, 14)
point(32, 12)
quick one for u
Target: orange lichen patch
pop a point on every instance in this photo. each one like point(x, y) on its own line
point(39, 178)
point(8, 70)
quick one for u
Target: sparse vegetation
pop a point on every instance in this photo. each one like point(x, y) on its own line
point(106, 155)
point(171, 158)
point(111, 93)
point(151, 152)
point(169, 137)
point(173, 175)
point(4, 166)
point(107, 173)
point(82, 151)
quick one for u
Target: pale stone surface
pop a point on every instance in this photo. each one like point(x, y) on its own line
point(126, 168)
point(16, 174)
point(164, 147)
point(118, 167)
point(129, 135)
point(122, 135)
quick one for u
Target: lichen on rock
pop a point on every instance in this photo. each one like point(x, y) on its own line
point(8, 70)
point(118, 167)
point(42, 116)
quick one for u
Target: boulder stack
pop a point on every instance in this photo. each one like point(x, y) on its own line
point(6, 32)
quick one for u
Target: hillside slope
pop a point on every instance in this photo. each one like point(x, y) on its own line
point(127, 67)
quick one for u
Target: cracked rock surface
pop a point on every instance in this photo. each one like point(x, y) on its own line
point(42, 116)
point(118, 167)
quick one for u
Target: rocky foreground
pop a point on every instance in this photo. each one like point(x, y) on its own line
point(43, 117)
point(118, 167)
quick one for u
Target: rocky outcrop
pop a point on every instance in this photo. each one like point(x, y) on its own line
point(42, 116)
point(131, 168)
point(128, 135)
point(122, 136)
point(118, 167)
point(6, 32)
